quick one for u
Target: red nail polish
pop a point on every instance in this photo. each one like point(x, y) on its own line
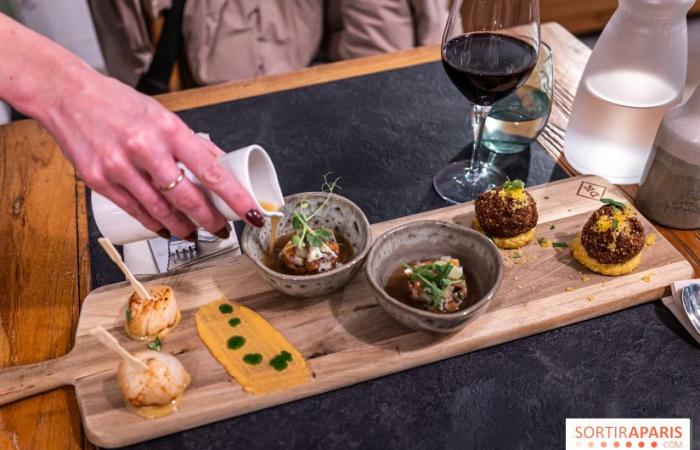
point(255, 217)
point(223, 233)
point(164, 233)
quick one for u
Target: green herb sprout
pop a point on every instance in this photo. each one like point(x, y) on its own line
point(512, 185)
point(155, 345)
point(434, 277)
point(304, 234)
point(614, 203)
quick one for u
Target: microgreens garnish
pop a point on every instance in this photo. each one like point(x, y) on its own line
point(300, 221)
point(128, 315)
point(614, 224)
point(155, 345)
point(512, 185)
point(435, 278)
point(551, 227)
point(614, 203)
point(559, 244)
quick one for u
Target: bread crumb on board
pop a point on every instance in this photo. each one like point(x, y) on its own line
point(569, 289)
point(647, 278)
point(513, 258)
point(650, 240)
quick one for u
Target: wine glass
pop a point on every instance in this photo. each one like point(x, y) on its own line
point(489, 49)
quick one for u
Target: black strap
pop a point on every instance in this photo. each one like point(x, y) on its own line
point(155, 80)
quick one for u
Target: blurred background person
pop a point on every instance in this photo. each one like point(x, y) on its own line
point(214, 41)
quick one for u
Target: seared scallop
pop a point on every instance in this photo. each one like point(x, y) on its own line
point(153, 391)
point(148, 319)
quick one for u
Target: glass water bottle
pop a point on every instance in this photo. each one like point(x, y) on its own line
point(635, 74)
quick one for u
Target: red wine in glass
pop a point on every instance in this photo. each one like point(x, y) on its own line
point(487, 67)
point(489, 49)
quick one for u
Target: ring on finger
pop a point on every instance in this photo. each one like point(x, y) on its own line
point(172, 185)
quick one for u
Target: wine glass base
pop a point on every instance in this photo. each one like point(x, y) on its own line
point(456, 185)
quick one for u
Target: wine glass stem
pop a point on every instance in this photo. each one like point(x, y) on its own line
point(478, 120)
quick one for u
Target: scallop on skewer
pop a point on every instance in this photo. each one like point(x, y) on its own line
point(147, 320)
point(157, 390)
point(152, 383)
point(151, 313)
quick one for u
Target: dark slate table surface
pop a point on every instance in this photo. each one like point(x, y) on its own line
point(387, 134)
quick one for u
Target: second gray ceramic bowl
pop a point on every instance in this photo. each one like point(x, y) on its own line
point(481, 260)
point(340, 215)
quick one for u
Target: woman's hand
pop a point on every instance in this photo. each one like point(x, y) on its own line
point(123, 144)
point(126, 147)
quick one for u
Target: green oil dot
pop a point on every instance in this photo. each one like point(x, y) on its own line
point(278, 363)
point(281, 361)
point(234, 322)
point(225, 308)
point(253, 359)
point(235, 342)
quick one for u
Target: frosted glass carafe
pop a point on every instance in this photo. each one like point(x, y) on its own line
point(634, 75)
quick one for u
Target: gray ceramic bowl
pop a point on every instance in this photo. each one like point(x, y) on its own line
point(416, 241)
point(340, 215)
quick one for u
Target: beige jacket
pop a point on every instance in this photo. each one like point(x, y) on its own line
point(232, 39)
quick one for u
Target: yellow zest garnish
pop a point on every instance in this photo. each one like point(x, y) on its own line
point(518, 196)
point(617, 221)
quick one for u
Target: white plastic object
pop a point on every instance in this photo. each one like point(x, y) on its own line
point(635, 74)
point(251, 166)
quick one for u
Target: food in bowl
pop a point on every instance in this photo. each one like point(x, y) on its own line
point(611, 241)
point(156, 390)
point(307, 259)
point(423, 243)
point(508, 215)
point(309, 250)
point(148, 320)
point(342, 217)
point(436, 285)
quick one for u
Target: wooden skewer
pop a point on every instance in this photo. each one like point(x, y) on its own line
point(114, 256)
point(110, 342)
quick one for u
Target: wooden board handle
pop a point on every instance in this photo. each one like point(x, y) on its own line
point(20, 382)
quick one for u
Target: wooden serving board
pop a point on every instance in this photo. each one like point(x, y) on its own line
point(345, 337)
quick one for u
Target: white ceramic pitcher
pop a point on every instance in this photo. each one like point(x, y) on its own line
point(251, 166)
